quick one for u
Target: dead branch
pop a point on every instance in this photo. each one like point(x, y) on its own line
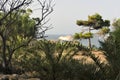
point(46, 8)
point(8, 6)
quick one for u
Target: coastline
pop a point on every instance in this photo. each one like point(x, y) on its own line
point(94, 40)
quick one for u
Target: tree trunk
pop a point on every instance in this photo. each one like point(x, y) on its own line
point(5, 63)
point(6, 68)
point(118, 76)
point(89, 42)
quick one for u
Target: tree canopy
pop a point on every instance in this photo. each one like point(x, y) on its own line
point(83, 35)
point(111, 46)
point(17, 28)
point(95, 21)
point(16, 31)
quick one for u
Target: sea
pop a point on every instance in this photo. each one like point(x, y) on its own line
point(94, 41)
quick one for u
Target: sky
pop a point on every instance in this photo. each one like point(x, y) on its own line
point(66, 12)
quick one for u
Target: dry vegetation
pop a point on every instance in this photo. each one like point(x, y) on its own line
point(88, 60)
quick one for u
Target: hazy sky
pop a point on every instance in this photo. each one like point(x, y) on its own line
point(66, 12)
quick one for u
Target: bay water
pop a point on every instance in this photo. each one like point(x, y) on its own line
point(94, 40)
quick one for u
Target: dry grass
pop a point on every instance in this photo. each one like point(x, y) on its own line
point(88, 60)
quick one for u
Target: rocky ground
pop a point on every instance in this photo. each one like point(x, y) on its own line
point(16, 77)
point(28, 76)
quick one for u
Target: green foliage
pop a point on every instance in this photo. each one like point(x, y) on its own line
point(81, 22)
point(19, 31)
point(95, 21)
point(29, 10)
point(83, 35)
point(16, 31)
point(18, 25)
point(87, 35)
point(94, 17)
point(76, 36)
point(107, 23)
point(54, 61)
point(104, 31)
point(116, 23)
point(111, 46)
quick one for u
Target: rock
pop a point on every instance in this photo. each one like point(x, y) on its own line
point(5, 77)
point(33, 79)
point(14, 77)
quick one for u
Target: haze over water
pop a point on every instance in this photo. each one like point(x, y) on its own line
point(84, 42)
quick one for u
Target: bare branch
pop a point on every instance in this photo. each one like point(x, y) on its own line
point(2, 5)
point(22, 45)
point(46, 9)
point(12, 6)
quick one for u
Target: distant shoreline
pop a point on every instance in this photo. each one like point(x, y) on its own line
point(94, 40)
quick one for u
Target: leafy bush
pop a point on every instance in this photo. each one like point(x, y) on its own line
point(53, 60)
point(111, 46)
